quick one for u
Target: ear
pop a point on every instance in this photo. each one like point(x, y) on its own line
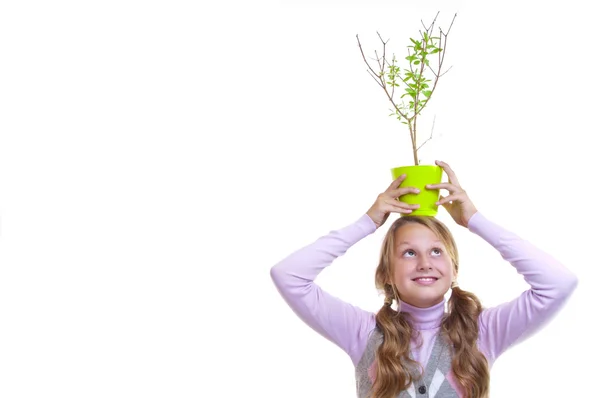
point(454, 277)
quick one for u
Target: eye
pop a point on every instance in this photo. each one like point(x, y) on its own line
point(437, 251)
point(409, 253)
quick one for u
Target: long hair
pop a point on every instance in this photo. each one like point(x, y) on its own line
point(459, 327)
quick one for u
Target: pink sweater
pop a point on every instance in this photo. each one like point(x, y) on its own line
point(349, 327)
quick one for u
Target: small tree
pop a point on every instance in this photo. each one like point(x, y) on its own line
point(419, 80)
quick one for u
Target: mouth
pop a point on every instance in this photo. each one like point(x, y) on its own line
point(425, 280)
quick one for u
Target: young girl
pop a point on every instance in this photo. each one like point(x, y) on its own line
point(413, 346)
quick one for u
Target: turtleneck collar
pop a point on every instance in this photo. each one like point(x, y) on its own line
point(424, 318)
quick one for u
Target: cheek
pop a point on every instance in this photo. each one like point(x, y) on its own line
point(400, 271)
point(444, 265)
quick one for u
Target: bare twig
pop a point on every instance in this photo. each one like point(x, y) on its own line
point(368, 65)
point(432, 23)
point(430, 136)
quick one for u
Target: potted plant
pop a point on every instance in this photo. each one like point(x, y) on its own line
point(409, 89)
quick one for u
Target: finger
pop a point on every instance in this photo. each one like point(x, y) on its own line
point(396, 183)
point(451, 175)
point(403, 191)
point(402, 207)
point(406, 210)
point(443, 200)
point(444, 185)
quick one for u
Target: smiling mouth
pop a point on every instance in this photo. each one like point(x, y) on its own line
point(425, 279)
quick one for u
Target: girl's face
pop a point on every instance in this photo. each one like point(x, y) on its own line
point(422, 269)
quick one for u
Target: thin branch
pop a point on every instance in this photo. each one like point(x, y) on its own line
point(375, 78)
point(430, 136)
point(444, 72)
point(384, 43)
point(451, 23)
point(432, 23)
point(445, 40)
point(365, 59)
point(384, 61)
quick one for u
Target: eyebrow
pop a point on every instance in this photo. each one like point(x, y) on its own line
point(408, 243)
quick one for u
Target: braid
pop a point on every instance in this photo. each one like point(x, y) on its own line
point(393, 361)
point(462, 329)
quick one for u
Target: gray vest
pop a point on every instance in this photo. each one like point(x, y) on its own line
point(433, 384)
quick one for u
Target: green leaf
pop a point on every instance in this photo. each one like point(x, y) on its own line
point(416, 62)
point(437, 50)
point(427, 93)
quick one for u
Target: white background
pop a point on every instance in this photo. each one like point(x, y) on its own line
point(157, 158)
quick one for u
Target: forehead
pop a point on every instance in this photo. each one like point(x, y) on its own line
point(414, 233)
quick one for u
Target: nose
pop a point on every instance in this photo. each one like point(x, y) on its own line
point(424, 265)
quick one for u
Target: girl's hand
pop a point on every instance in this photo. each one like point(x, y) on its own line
point(387, 202)
point(457, 203)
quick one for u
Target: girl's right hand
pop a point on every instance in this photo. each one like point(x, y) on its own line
point(387, 202)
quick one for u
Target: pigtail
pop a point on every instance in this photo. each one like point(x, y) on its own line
point(393, 361)
point(461, 328)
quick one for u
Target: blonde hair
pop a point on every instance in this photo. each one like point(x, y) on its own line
point(459, 327)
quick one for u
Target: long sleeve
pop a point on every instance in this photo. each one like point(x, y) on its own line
point(340, 322)
point(551, 284)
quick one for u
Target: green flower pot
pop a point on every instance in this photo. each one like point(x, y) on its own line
point(418, 177)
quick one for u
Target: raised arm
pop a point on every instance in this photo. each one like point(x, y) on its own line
point(551, 284)
point(342, 323)
point(336, 320)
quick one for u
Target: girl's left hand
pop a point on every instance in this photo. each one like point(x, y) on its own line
point(457, 203)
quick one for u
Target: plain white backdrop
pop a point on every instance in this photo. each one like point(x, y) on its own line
point(157, 158)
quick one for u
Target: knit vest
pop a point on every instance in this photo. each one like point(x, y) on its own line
point(433, 383)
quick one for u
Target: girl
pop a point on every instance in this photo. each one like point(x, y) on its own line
point(417, 345)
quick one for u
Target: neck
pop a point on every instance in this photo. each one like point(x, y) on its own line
point(424, 318)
